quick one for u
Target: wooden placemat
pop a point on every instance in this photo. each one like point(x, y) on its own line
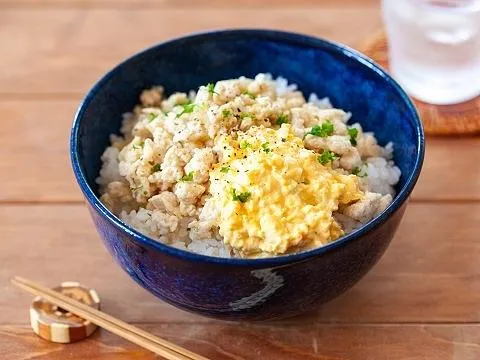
point(463, 118)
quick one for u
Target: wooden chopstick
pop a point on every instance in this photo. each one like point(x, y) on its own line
point(129, 332)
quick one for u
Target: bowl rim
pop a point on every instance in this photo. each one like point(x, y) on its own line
point(266, 34)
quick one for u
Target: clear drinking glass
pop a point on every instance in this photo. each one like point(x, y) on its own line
point(434, 48)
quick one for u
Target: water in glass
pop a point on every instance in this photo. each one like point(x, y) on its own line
point(435, 48)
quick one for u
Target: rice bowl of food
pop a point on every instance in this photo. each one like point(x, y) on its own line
point(211, 186)
point(244, 168)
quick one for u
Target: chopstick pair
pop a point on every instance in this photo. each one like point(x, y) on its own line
point(129, 332)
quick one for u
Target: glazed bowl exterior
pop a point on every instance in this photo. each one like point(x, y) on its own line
point(249, 289)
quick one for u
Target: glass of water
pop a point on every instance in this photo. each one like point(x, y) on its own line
point(434, 48)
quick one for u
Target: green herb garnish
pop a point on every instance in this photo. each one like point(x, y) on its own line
point(353, 132)
point(242, 197)
point(225, 169)
point(359, 172)
point(188, 177)
point(282, 119)
point(324, 130)
point(151, 116)
point(226, 113)
point(265, 147)
point(244, 144)
point(249, 94)
point(247, 114)
point(211, 88)
point(187, 109)
point(327, 156)
point(156, 168)
point(139, 146)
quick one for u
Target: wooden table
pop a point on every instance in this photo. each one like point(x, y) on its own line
point(422, 301)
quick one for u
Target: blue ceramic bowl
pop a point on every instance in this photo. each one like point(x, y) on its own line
point(257, 288)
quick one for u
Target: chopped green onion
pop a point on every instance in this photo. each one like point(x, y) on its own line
point(247, 114)
point(324, 130)
point(211, 88)
point(151, 116)
point(282, 119)
point(249, 94)
point(188, 177)
point(187, 109)
point(226, 113)
point(359, 172)
point(156, 168)
point(242, 197)
point(139, 146)
point(265, 147)
point(244, 144)
point(353, 132)
point(225, 169)
point(326, 156)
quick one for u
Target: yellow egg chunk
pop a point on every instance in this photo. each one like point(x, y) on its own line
point(275, 195)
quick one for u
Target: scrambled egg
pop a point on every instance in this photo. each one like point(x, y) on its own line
point(275, 195)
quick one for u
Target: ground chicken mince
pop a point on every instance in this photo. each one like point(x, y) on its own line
point(244, 168)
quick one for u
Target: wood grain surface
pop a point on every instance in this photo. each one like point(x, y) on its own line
point(185, 3)
point(231, 341)
point(422, 301)
point(71, 53)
